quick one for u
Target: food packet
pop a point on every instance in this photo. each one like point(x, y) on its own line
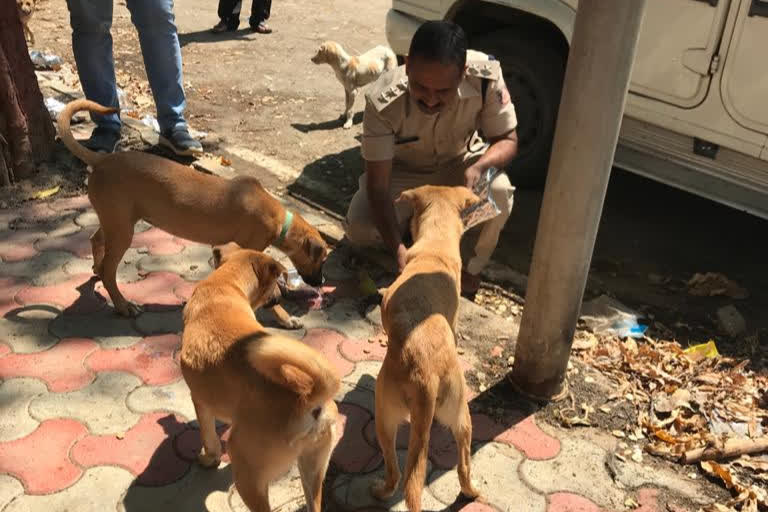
point(486, 209)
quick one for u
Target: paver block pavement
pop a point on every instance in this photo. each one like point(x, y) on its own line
point(101, 405)
point(370, 349)
point(41, 459)
point(343, 316)
point(154, 290)
point(352, 491)
point(327, 342)
point(151, 359)
point(99, 489)
point(27, 331)
point(160, 322)
point(173, 398)
point(75, 295)
point(364, 375)
point(15, 397)
point(19, 245)
point(77, 243)
point(10, 489)
point(494, 472)
point(284, 491)
point(146, 450)
point(127, 271)
point(61, 367)
point(524, 434)
point(357, 395)
point(157, 241)
point(193, 263)
point(569, 473)
point(9, 287)
point(46, 268)
point(99, 325)
point(353, 454)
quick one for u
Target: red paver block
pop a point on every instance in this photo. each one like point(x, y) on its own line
point(155, 289)
point(41, 459)
point(567, 502)
point(61, 367)
point(648, 500)
point(78, 244)
point(327, 342)
point(9, 288)
point(354, 454)
point(157, 241)
point(184, 290)
point(524, 435)
point(19, 245)
point(146, 450)
point(4, 349)
point(474, 506)
point(364, 350)
point(39, 212)
point(152, 360)
point(188, 444)
point(77, 295)
point(70, 203)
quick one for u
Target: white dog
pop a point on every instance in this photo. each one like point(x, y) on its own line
point(354, 72)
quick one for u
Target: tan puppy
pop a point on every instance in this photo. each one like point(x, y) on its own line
point(421, 375)
point(26, 10)
point(127, 186)
point(276, 392)
point(354, 72)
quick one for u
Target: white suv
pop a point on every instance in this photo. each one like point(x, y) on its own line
point(697, 112)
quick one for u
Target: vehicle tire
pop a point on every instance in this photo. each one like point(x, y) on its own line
point(533, 68)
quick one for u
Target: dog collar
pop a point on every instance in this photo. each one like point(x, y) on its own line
point(286, 226)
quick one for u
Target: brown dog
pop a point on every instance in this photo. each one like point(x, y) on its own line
point(421, 375)
point(276, 392)
point(26, 10)
point(127, 186)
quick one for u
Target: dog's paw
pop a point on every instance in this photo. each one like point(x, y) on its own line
point(208, 460)
point(471, 492)
point(294, 323)
point(381, 490)
point(128, 309)
point(347, 124)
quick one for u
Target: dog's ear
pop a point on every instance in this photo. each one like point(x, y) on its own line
point(407, 197)
point(221, 253)
point(316, 249)
point(267, 269)
point(469, 198)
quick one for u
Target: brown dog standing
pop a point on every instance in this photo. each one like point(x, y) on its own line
point(421, 376)
point(128, 186)
point(276, 392)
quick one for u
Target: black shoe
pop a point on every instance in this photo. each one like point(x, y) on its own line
point(180, 142)
point(103, 140)
point(224, 26)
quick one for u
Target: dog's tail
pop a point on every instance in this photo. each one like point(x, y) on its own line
point(296, 366)
point(63, 120)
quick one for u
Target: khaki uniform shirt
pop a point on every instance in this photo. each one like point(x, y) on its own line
point(394, 128)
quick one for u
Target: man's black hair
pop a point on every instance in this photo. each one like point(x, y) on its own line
point(441, 41)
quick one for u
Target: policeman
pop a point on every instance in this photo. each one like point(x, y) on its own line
point(420, 127)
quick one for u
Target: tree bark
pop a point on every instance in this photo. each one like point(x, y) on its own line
point(26, 130)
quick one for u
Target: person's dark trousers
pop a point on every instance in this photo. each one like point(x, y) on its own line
point(229, 12)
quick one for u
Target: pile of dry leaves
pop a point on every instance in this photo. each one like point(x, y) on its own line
point(693, 406)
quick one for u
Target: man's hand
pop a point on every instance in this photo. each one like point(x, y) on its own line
point(400, 255)
point(472, 176)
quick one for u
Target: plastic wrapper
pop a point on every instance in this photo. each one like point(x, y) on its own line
point(43, 61)
point(486, 209)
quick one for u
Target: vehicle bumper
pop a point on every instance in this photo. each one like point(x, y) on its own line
point(399, 28)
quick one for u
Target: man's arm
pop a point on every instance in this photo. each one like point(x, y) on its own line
point(378, 175)
point(501, 151)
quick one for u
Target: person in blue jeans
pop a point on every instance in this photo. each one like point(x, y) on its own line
point(154, 20)
point(229, 15)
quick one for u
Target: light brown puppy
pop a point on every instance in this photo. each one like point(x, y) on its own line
point(125, 187)
point(421, 376)
point(276, 392)
point(26, 10)
point(354, 72)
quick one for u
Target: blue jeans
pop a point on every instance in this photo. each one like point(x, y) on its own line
point(91, 21)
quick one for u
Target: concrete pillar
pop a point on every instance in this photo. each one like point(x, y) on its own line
point(596, 81)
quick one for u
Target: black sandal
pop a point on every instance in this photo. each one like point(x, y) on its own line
point(222, 27)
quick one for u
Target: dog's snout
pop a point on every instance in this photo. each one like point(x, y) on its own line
point(316, 412)
point(314, 279)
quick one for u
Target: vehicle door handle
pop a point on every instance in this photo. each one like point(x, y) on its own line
point(759, 8)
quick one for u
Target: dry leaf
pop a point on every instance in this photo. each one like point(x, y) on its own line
point(46, 193)
point(226, 162)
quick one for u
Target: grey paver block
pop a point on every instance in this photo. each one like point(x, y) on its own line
point(173, 398)
point(284, 491)
point(192, 263)
point(476, 322)
point(364, 375)
point(100, 488)
point(334, 269)
point(15, 396)
point(100, 325)
point(199, 490)
point(358, 395)
point(45, 269)
point(100, 405)
point(28, 331)
point(10, 489)
point(632, 475)
point(63, 227)
point(127, 271)
point(160, 322)
point(342, 316)
point(494, 473)
point(87, 219)
point(576, 469)
point(353, 491)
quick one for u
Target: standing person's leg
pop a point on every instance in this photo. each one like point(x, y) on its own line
point(229, 16)
point(260, 10)
point(155, 22)
point(91, 21)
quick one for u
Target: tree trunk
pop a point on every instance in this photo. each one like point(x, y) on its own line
point(26, 130)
